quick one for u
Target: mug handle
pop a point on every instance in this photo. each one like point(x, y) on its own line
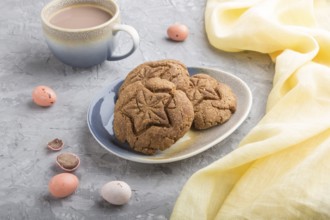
point(134, 35)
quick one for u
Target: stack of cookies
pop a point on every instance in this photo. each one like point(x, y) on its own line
point(159, 102)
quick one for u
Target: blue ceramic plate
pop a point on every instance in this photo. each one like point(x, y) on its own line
point(100, 119)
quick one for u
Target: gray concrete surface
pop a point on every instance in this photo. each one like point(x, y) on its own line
point(26, 165)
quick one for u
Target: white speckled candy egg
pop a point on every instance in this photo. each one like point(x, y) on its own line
point(116, 192)
point(43, 96)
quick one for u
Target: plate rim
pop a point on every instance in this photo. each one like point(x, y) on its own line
point(145, 158)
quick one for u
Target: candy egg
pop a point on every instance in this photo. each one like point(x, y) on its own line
point(68, 161)
point(63, 185)
point(177, 32)
point(43, 96)
point(56, 144)
point(116, 192)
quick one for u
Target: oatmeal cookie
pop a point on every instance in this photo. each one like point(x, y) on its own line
point(171, 70)
point(213, 101)
point(152, 116)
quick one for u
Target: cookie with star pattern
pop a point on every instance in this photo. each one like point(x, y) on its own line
point(171, 70)
point(151, 116)
point(214, 102)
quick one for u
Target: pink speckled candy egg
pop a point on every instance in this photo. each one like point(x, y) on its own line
point(43, 96)
point(177, 32)
point(63, 185)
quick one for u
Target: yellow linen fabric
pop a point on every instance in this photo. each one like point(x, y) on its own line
point(281, 169)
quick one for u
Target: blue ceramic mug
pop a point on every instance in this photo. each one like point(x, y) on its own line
point(90, 46)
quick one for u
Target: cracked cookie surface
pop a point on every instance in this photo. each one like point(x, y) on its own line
point(171, 70)
point(214, 102)
point(152, 116)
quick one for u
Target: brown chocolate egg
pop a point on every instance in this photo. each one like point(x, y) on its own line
point(68, 161)
point(56, 144)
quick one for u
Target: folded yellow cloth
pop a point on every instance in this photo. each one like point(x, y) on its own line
point(281, 169)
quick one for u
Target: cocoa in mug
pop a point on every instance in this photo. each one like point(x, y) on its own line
point(80, 16)
point(80, 32)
